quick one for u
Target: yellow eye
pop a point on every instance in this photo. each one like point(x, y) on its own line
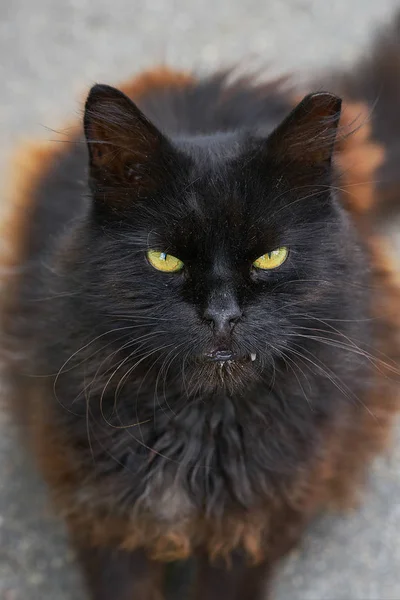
point(164, 262)
point(273, 259)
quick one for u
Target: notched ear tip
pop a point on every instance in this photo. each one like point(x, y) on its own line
point(101, 91)
point(308, 134)
point(322, 104)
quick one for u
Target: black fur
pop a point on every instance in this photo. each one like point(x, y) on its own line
point(125, 345)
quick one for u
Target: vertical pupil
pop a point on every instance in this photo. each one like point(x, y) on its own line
point(163, 256)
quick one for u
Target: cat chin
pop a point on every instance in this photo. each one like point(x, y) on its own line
point(228, 376)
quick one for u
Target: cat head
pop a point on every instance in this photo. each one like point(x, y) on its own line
point(215, 249)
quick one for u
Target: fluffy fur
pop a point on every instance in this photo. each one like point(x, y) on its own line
point(145, 443)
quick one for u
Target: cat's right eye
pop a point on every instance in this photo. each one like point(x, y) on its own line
point(164, 262)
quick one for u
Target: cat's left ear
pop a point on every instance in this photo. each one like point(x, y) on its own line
point(308, 134)
point(128, 156)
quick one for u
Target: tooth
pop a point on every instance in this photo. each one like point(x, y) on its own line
point(253, 356)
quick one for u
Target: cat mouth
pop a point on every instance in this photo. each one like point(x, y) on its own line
point(226, 370)
point(227, 356)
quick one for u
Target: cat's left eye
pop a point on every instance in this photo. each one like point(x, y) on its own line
point(164, 262)
point(272, 260)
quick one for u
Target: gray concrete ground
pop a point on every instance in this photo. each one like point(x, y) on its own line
point(51, 51)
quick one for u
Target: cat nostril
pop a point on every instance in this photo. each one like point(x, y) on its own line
point(223, 319)
point(236, 317)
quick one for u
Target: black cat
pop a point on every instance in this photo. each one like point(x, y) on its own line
point(195, 334)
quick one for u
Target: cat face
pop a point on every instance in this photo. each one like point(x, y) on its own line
point(218, 249)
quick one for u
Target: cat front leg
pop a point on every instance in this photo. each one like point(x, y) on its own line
point(238, 581)
point(113, 574)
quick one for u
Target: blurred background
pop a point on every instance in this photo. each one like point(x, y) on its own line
point(51, 52)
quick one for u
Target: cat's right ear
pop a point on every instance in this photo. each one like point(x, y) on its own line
point(129, 158)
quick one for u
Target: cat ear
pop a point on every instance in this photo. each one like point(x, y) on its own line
point(308, 134)
point(128, 155)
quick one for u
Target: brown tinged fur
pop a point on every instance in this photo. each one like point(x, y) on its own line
point(334, 475)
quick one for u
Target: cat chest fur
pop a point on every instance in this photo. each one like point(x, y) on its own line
point(170, 507)
point(219, 479)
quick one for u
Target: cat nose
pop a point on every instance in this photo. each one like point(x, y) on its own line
point(223, 315)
